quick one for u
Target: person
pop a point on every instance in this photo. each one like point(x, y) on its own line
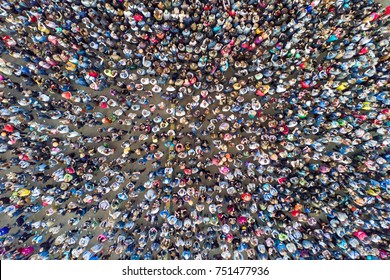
point(220, 129)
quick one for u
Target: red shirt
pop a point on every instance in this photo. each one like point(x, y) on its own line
point(285, 130)
point(363, 51)
point(154, 40)
point(232, 13)
point(304, 85)
point(138, 17)
point(93, 74)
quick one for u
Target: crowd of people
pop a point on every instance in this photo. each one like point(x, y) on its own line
point(189, 129)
